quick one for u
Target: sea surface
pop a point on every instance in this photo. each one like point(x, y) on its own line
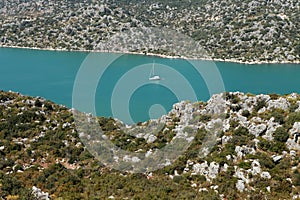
point(118, 85)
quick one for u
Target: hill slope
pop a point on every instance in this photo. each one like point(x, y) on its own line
point(256, 156)
point(247, 31)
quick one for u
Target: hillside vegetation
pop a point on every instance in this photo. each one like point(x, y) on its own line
point(244, 31)
point(257, 155)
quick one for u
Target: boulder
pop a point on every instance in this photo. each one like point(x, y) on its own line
point(201, 169)
point(255, 167)
point(276, 159)
point(39, 194)
point(272, 126)
point(240, 186)
point(213, 170)
point(265, 175)
point(280, 103)
point(292, 145)
point(256, 130)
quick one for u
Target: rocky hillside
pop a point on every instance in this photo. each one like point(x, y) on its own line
point(255, 156)
point(245, 31)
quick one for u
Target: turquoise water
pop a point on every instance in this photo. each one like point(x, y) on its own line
point(123, 87)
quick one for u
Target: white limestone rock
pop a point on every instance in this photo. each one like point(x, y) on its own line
point(280, 103)
point(201, 169)
point(226, 139)
point(213, 170)
point(216, 105)
point(263, 97)
point(272, 126)
point(298, 109)
point(247, 102)
point(256, 130)
point(292, 145)
point(209, 171)
point(255, 168)
point(265, 175)
point(244, 150)
point(296, 128)
point(240, 186)
point(293, 96)
point(151, 139)
point(239, 173)
point(277, 158)
point(39, 194)
point(243, 120)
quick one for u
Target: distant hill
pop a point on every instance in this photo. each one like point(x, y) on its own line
point(245, 31)
point(256, 155)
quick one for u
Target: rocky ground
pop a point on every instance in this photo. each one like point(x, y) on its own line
point(248, 31)
point(255, 154)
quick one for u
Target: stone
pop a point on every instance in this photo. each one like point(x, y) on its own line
point(39, 194)
point(202, 190)
point(276, 159)
point(272, 126)
point(244, 150)
point(280, 103)
point(210, 171)
point(256, 130)
point(224, 168)
point(293, 96)
point(255, 167)
point(296, 128)
point(292, 153)
point(216, 105)
point(265, 175)
point(228, 157)
point(240, 186)
point(213, 170)
point(201, 169)
point(262, 110)
point(292, 145)
point(151, 139)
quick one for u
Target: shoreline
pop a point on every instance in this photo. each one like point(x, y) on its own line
point(156, 55)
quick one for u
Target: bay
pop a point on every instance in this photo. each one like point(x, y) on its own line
point(123, 89)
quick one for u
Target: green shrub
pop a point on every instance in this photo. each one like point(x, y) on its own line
point(296, 178)
point(281, 135)
point(245, 165)
point(246, 113)
point(260, 104)
point(292, 118)
point(241, 131)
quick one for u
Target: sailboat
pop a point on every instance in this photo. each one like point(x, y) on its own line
point(152, 76)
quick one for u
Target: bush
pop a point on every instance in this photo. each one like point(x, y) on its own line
point(246, 113)
point(278, 115)
point(281, 135)
point(241, 131)
point(260, 104)
point(293, 117)
point(296, 178)
point(245, 165)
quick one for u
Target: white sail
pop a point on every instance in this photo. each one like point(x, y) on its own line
point(152, 76)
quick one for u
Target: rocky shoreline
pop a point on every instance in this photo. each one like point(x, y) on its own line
point(156, 55)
